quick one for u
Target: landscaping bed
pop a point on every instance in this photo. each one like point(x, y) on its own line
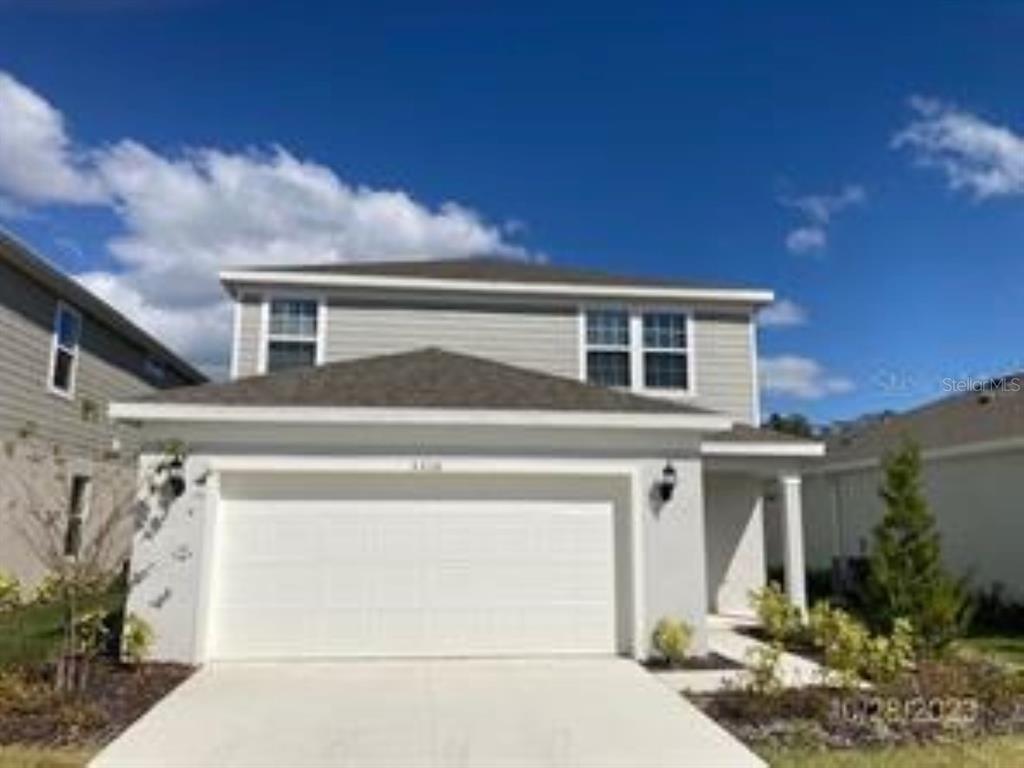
point(32, 712)
point(942, 699)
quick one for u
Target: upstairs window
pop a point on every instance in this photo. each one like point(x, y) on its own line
point(666, 364)
point(638, 350)
point(292, 333)
point(608, 348)
point(67, 331)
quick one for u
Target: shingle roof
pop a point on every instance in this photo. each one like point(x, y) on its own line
point(743, 433)
point(426, 378)
point(995, 413)
point(491, 269)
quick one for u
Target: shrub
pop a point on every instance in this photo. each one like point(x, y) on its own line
point(842, 639)
point(136, 639)
point(782, 620)
point(10, 591)
point(906, 578)
point(886, 658)
point(762, 661)
point(671, 639)
point(91, 632)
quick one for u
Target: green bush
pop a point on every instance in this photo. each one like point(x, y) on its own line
point(671, 639)
point(763, 675)
point(136, 639)
point(10, 591)
point(851, 652)
point(782, 620)
point(91, 632)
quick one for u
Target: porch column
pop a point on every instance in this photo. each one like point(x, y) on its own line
point(793, 539)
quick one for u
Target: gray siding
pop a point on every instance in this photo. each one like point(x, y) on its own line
point(108, 368)
point(542, 336)
point(247, 345)
point(724, 364)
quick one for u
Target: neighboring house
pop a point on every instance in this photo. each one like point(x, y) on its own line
point(473, 457)
point(972, 447)
point(64, 354)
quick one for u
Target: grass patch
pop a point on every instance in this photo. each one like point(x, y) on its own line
point(32, 633)
point(1008, 649)
point(995, 752)
point(30, 757)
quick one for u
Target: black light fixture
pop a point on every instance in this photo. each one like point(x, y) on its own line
point(667, 485)
point(175, 469)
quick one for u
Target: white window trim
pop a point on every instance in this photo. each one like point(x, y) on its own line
point(636, 345)
point(321, 325)
point(69, 393)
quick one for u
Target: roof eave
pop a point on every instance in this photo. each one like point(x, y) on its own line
point(313, 415)
point(746, 296)
point(781, 449)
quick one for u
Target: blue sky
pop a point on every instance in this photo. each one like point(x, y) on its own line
point(865, 161)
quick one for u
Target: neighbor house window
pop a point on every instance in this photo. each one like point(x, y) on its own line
point(608, 348)
point(292, 333)
point(67, 331)
point(78, 509)
point(665, 351)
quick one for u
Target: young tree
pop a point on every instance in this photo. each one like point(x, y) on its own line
point(906, 578)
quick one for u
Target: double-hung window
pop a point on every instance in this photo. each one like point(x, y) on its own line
point(292, 333)
point(666, 362)
point(608, 348)
point(641, 350)
point(67, 332)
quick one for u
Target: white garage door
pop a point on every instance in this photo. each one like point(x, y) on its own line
point(323, 578)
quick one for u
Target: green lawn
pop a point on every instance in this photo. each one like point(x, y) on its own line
point(33, 632)
point(1001, 752)
point(1005, 648)
point(28, 757)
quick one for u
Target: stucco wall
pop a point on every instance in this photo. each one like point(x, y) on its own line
point(976, 500)
point(173, 540)
point(735, 540)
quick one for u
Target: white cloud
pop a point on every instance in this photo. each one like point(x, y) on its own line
point(37, 161)
point(978, 156)
point(188, 215)
point(800, 377)
point(817, 212)
point(783, 313)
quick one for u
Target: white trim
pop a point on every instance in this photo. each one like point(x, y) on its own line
point(69, 393)
point(781, 449)
point(285, 414)
point(738, 295)
point(638, 556)
point(261, 351)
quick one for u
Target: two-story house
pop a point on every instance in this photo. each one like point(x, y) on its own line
point(458, 458)
point(64, 355)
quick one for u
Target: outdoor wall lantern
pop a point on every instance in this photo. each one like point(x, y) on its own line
point(667, 485)
point(175, 469)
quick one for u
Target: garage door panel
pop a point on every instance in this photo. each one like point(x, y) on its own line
point(357, 578)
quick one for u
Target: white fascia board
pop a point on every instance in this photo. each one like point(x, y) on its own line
point(781, 449)
point(164, 412)
point(749, 296)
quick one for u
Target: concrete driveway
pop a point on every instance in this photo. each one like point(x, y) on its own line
point(574, 712)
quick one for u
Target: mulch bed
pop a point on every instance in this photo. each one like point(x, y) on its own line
point(709, 662)
point(804, 649)
point(33, 713)
point(941, 700)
